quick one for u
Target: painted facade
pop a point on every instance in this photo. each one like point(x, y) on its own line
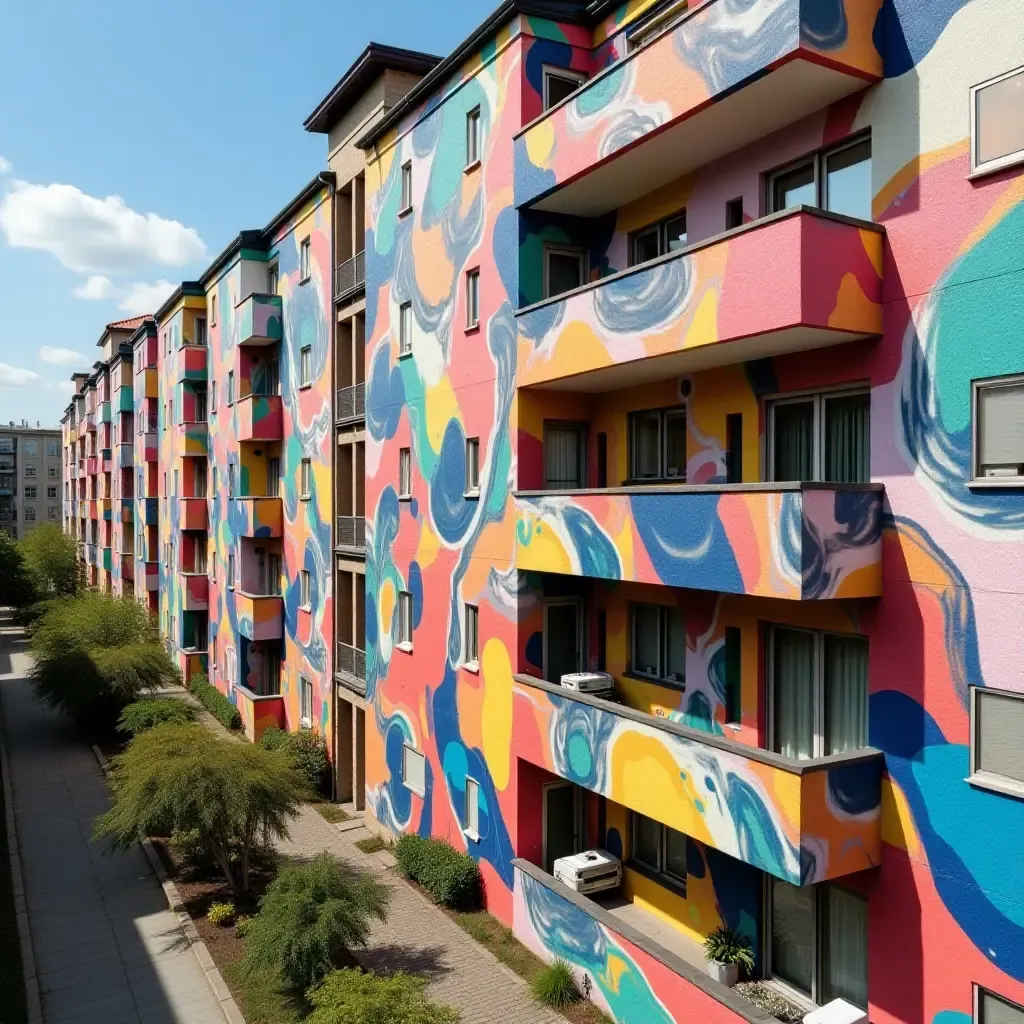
point(924, 566)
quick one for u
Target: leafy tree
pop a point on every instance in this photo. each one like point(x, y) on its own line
point(308, 916)
point(182, 778)
point(352, 997)
point(51, 557)
point(16, 589)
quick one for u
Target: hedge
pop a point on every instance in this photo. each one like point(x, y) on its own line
point(308, 751)
point(215, 702)
point(147, 714)
point(451, 877)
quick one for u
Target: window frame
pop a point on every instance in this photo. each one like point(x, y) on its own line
point(1005, 784)
point(978, 385)
point(819, 161)
point(999, 163)
point(660, 678)
point(405, 184)
point(305, 479)
point(564, 250)
point(473, 123)
point(472, 298)
point(404, 474)
point(472, 488)
point(663, 414)
point(655, 23)
point(273, 277)
point(305, 259)
point(305, 703)
point(213, 309)
point(406, 749)
point(471, 653)
point(661, 228)
point(305, 590)
point(660, 870)
point(977, 1013)
point(232, 569)
point(549, 71)
point(403, 619)
point(471, 809)
point(404, 329)
point(306, 366)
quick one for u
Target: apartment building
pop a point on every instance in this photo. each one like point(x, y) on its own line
point(31, 489)
point(378, 79)
point(146, 503)
point(693, 357)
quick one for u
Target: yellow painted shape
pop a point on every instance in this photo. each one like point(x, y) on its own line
point(540, 142)
point(703, 329)
point(853, 309)
point(872, 242)
point(676, 911)
point(496, 671)
point(617, 967)
point(429, 545)
point(543, 550)
point(898, 827)
point(433, 268)
point(576, 349)
point(442, 406)
point(386, 604)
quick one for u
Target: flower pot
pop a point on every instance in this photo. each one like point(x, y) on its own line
point(726, 974)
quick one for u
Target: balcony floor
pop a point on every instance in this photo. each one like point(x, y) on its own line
point(653, 927)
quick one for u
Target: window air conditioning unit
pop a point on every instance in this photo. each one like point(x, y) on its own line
point(588, 682)
point(837, 1012)
point(591, 871)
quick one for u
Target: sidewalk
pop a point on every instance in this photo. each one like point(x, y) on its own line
point(107, 949)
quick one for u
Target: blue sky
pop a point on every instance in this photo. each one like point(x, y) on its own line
point(137, 138)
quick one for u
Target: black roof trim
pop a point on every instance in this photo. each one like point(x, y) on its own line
point(365, 69)
point(251, 238)
point(183, 289)
point(147, 329)
point(316, 185)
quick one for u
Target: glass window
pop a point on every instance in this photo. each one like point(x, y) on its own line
point(675, 232)
point(405, 328)
point(273, 278)
point(472, 298)
point(821, 437)
point(997, 122)
point(999, 428)
point(675, 667)
point(406, 185)
point(997, 725)
point(844, 928)
point(231, 480)
point(404, 472)
point(306, 366)
point(231, 568)
point(647, 245)
point(564, 457)
point(231, 386)
point(470, 641)
point(305, 702)
point(564, 270)
point(647, 639)
point(792, 935)
point(848, 180)
point(675, 854)
point(796, 187)
point(52, 449)
point(414, 770)
point(658, 643)
point(306, 478)
point(473, 136)
point(647, 841)
point(660, 849)
point(305, 588)
point(471, 817)
point(993, 1009)
point(30, 492)
point(405, 617)
point(560, 84)
point(305, 259)
point(658, 239)
point(472, 465)
point(658, 445)
point(646, 446)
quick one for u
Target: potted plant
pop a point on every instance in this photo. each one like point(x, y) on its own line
point(726, 951)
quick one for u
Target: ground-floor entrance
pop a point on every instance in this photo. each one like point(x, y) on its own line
point(349, 747)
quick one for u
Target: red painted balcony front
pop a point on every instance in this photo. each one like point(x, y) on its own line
point(800, 542)
point(193, 438)
point(151, 575)
point(259, 320)
point(195, 591)
point(725, 75)
point(149, 447)
point(92, 465)
point(260, 616)
point(192, 362)
point(192, 513)
point(256, 517)
point(793, 281)
point(260, 418)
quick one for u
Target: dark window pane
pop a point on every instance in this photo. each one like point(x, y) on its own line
point(675, 232)
point(675, 439)
point(646, 246)
point(793, 442)
point(565, 272)
point(793, 935)
point(675, 853)
point(560, 87)
point(848, 181)
point(795, 188)
point(648, 839)
point(847, 439)
point(646, 639)
point(845, 953)
point(646, 447)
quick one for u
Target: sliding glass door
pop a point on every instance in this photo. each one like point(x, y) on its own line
point(820, 437)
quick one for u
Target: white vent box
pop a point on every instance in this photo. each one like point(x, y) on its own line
point(588, 682)
point(591, 871)
point(837, 1012)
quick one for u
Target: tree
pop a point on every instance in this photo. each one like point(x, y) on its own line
point(51, 557)
point(16, 589)
point(234, 796)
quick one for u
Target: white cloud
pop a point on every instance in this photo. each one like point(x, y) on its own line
point(62, 356)
point(96, 286)
point(5, 166)
point(141, 297)
point(91, 235)
point(13, 378)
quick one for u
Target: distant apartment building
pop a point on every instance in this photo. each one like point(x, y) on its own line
point(31, 484)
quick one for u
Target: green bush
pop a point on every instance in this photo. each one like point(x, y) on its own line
point(728, 946)
point(352, 997)
point(451, 877)
point(308, 751)
point(308, 916)
point(555, 986)
point(215, 702)
point(221, 914)
point(190, 847)
point(146, 714)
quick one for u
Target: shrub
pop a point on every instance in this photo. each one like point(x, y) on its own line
point(451, 877)
point(221, 914)
point(274, 738)
point(17, 588)
point(215, 702)
point(309, 915)
point(51, 559)
point(146, 714)
point(727, 946)
point(352, 997)
point(555, 986)
point(189, 846)
point(307, 749)
point(242, 923)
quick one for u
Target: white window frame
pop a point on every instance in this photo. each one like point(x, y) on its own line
point(407, 749)
point(213, 309)
point(660, 228)
point(978, 1016)
point(305, 703)
point(660, 675)
point(33, 489)
point(661, 868)
point(51, 492)
point(273, 278)
point(564, 250)
point(472, 466)
point(473, 298)
point(305, 366)
point(471, 809)
point(473, 123)
point(405, 329)
point(305, 260)
point(30, 472)
point(52, 449)
point(661, 20)
point(1006, 784)
point(549, 71)
point(405, 199)
point(306, 479)
point(231, 570)
point(231, 387)
point(305, 590)
point(1000, 163)
point(404, 621)
point(471, 636)
point(664, 415)
point(404, 472)
point(979, 385)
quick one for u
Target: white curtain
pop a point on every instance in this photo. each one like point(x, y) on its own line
point(845, 968)
point(793, 693)
point(846, 693)
point(847, 439)
point(793, 441)
point(562, 447)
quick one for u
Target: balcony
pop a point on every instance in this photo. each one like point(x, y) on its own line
point(260, 616)
point(150, 448)
point(258, 712)
point(193, 438)
point(125, 398)
point(127, 510)
point(92, 465)
point(150, 383)
point(125, 454)
point(90, 554)
point(801, 821)
point(83, 509)
point(126, 565)
point(705, 305)
point(93, 509)
point(259, 320)
point(195, 591)
point(679, 102)
point(106, 455)
point(350, 404)
point(191, 662)
point(350, 662)
point(151, 571)
point(104, 412)
point(192, 514)
point(152, 511)
point(351, 533)
point(800, 542)
point(106, 558)
point(192, 362)
point(260, 418)
point(90, 422)
point(103, 510)
point(256, 517)
point(350, 277)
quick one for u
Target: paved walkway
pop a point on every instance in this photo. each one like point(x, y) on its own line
point(420, 938)
point(107, 949)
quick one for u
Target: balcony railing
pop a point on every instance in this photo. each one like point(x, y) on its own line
point(256, 517)
point(350, 403)
point(351, 532)
point(259, 319)
point(192, 513)
point(260, 418)
point(260, 616)
point(351, 661)
point(349, 277)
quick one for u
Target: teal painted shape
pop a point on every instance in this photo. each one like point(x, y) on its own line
point(600, 93)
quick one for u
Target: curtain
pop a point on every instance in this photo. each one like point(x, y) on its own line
point(846, 693)
point(793, 934)
point(793, 443)
point(845, 968)
point(676, 645)
point(646, 447)
point(562, 447)
point(793, 694)
point(847, 436)
point(646, 648)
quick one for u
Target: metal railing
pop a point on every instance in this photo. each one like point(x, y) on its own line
point(351, 532)
point(349, 276)
point(350, 660)
point(350, 403)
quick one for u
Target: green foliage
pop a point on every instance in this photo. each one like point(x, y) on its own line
point(727, 946)
point(221, 914)
point(51, 558)
point(145, 714)
point(16, 587)
point(215, 702)
point(555, 986)
point(371, 844)
point(308, 751)
point(352, 997)
point(242, 923)
point(189, 846)
point(180, 778)
point(308, 916)
point(451, 877)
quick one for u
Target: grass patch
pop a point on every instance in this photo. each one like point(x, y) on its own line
point(12, 984)
point(371, 844)
point(262, 997)
point(331, 812)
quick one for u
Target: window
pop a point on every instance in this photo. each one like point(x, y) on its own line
point(658, 643)
point(305, 366)
point(231, 479)
point(406, 187)
point(305, 260)
point(51, 492)
point(273, 277)
point(997, 724)
point(231, 570)
point(818, 693)
point(734, 214)
point(470, 640)
point(52, 449)
point(998, 417)
point(274, 572)
point(213, 481)
point(30, 492)
point(405, 328)
point(660, 849)
point(564, 269)
point(199, 391)
point(473, 137)
point(471, 810)
point(213, 396)
point(818, 941)
point(661, 17)
point(273, 477)
point(414, 770)
point(405, 619)
point(305, 589)
point(213, 310)
point(30, 514)
point(472, 465)
point(565, 456)
point(997, 122)
point(560, 84)
point(657, 445)
point(231, 386)
point(306, 478)
point(836, 179)
point(52, 511)
point(473, 298)
point(200, 330)
point(305, 703)
point(404, 472)
point(30, 471)
point(658, 239)
point(820, 437)
point(992, 1009)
